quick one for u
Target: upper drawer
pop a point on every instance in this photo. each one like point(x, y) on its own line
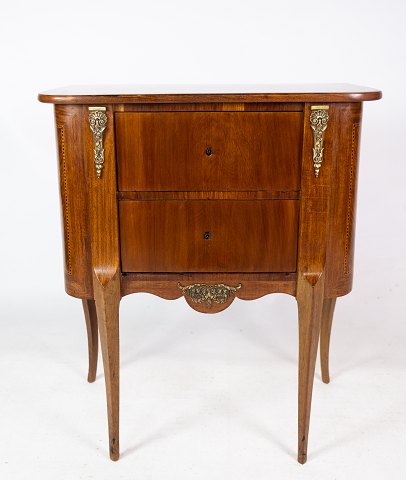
point(208, 150)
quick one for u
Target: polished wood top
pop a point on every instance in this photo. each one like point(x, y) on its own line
point(92, 94)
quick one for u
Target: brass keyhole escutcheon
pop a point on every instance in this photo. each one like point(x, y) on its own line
point(209, 151)
point(207, 235)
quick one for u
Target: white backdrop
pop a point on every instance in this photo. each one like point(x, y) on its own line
point(189, 380)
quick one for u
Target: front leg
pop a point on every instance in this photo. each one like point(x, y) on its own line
point(310, 305)
point(100, 148)
point(313, 238)
point(107, 304)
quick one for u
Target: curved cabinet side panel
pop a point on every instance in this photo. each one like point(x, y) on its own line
point(340, 251)
point(74, 200)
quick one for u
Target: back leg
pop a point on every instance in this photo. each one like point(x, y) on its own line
point(325, 332)
point(89, 308)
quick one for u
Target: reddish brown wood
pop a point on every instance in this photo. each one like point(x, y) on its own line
point(74, 200)
point(107, 298)
point(313, 235)
point(309, 296)
point(274, 226)
point(253, 285)
point(213, 107)
point(171, 236)
point(326, 323)
point(89, 308)
point(106, 267)
point(208, 151)
point(244, 195)
point(345, 147)
point(209, 93)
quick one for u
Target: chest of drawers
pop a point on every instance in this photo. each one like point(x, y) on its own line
point(210, 194)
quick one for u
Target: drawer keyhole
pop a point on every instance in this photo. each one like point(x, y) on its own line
point(207, 235)
point(209, 151)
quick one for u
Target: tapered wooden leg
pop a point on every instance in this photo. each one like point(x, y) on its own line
point(89, 307)
point(325, 332)
point(310, 304)
point(107, 299)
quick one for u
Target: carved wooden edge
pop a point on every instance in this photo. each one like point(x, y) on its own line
point(167, 286)
point(179, 98)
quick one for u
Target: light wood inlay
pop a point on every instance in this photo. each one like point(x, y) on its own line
point(65, 193)
point(350, 207)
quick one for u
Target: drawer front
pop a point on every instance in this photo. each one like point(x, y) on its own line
point(209, 236)
point(176, 151)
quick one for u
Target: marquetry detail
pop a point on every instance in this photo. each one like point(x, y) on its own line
point(318, 120)
point(65, 197)
point(98, 123)
point(350, 201)
point(209, 294)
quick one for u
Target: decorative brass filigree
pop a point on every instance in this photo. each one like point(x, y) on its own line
point(318, 121)
point(209, 294)
point(98, 123)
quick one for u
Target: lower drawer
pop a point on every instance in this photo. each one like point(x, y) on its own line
point(208, 235)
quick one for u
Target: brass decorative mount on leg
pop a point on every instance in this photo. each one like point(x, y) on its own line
point(318, 121)
point(98, 123)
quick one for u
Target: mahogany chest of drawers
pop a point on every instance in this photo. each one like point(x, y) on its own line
point(212, 194)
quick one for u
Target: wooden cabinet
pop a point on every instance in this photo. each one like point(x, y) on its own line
point(209, 194)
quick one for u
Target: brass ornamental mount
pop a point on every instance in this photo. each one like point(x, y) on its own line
point(98, 123)
point(209, 294)
point(318, 120)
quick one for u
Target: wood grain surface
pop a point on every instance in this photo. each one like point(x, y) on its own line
point(106, 273)
point(89, 309)
point(74, 194)
point(209, 186)
point(209, 236)
point(197, 151)
point(340, 92)
point(315, 206)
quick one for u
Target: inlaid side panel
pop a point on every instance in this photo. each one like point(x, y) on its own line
point(340, 252)
point(74, 200)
